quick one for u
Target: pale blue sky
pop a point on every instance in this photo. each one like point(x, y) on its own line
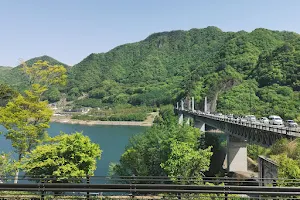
point(69, 30)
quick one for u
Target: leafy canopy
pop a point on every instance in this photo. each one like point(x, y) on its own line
point(64, 156)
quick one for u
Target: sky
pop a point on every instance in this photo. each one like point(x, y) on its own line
point(70, 30)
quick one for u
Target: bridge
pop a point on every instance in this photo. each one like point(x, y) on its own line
point(238, 132)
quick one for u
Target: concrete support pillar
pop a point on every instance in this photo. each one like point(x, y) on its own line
point(180, 116)
point(200, 125)
point(188, 121)
point(193, 104)
point(182, 105)
point(189, 104)
point(205, 104)
point(236, 154)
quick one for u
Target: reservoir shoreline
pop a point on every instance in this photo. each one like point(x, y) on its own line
point(68, 120)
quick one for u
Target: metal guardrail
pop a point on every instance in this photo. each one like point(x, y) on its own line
point(149, 188)
point(282, 130)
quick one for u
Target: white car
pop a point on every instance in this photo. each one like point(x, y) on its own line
point(291, 123)
point(250, 118)
point(264, 120)
point(275, 120)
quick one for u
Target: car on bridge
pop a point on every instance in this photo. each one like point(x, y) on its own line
point(242, 119)
point(250, 118)
point(264, 120)
point(275, 120)
point(230, 116)
point(290, 123)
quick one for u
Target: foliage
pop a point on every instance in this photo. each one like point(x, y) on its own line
point(43, 74)
point(53, 95)
point(154, 152)
point(26, 117)
point(286, 154)
point(6, 94)
point(185, 161)
point(253, 151)
point(117, 113)
point(239, 72)
point(6, 165)
point(16, 78)
point(288, 169)
point(64, 156)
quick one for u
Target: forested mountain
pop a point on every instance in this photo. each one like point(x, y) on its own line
point(15, 77)
point(244, 72)
point(4, 68)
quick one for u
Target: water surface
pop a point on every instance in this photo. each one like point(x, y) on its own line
point(112, 140)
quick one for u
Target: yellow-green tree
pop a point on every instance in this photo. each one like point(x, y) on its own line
point(64, 156)
point(26, 117)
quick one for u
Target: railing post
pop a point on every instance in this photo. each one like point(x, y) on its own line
point(43, 190)
point(225, 183)
point(88, 183)
point(179, 194)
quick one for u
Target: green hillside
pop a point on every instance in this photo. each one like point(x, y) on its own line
point(14, 76)
point(240, 72)
point(198, 62)
point(5, 68)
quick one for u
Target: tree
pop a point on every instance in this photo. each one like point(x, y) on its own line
point(6, 94)
point(45, 75)
point(53, 95)
point(6, 166)
point(186, 161)
point(288, 169)
point(64, 156)
point(26, 117)
point(154, 152)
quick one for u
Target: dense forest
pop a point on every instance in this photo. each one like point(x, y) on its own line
point(240, 72)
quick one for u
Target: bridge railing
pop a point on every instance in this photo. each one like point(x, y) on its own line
point(282, 130)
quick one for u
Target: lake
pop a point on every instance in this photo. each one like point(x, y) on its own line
point(112, 140)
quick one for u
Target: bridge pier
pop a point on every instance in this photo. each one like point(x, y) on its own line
point(180, 114)
point(200, 125)
point(236, 154)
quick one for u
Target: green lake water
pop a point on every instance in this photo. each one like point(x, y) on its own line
point(112, 140)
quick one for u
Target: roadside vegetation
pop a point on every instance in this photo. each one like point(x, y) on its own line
point(286, 154)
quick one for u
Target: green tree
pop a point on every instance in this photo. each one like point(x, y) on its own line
point(6, 166)
point(52, 95)
point(64, 156)
point(186, 161)
point(153, 152)
point(6, 94)
point(26, 117)
point(288, 169)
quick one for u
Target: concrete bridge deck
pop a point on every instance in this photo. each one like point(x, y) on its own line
point(238, 132)
point(254, 132)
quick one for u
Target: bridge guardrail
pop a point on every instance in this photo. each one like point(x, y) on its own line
point(282, 130)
